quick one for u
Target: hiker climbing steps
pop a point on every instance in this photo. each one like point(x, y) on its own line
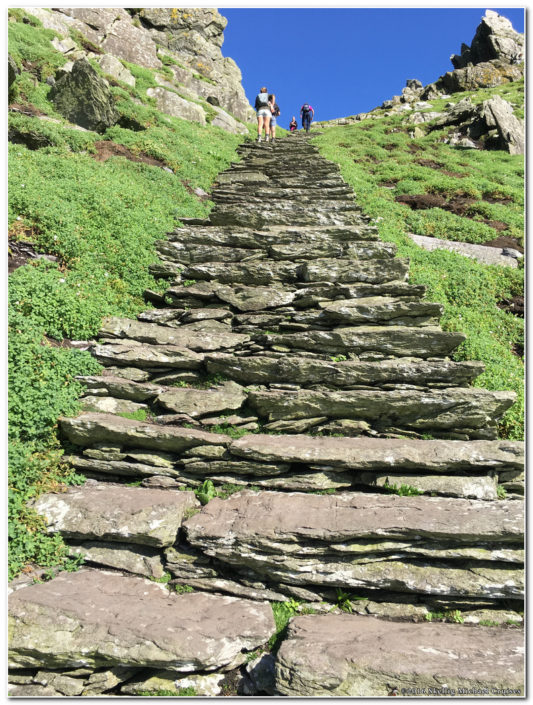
point(290, 359)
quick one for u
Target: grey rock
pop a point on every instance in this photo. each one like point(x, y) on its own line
point(102, 681)
point(228, 396)
point(154, 334)
point(112, 66)
point(498, 113)
point(116, 513)
point(12, 70)
point(495, 38)
point(109, 385)
point(147, 356)
point(64, 685)
point(131, 558)
point(262, 673)
point(84, 98)
point(350, 655)
point(173, 682)
point(88, 429)
point(475, 487)
point(131, 43)
point(397, 341)
point(300, 370)
point(110, 405)
point(452, 408)
point(172, 104)
point(372, 454)
point(487, 255)
point(227, 122)
point(83, 619)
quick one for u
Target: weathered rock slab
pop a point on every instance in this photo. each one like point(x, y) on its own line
point(350, 655)
point(89, 429)
point(201, 402)
point(373, 454)
point(95, 618)
point(116, 513)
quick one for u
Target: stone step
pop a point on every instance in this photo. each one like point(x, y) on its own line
point(268, 215)
point(274, 236)
point(343, 373)
point(189, 253)
point(350, 655)
point(243, 298)
point(105, 512)
point(125, 328)
point(470, 412)
point(378, 455)
point(344, 271)
point(290, 538)
point(473, 412)
point(95, 618)
point(368, 342)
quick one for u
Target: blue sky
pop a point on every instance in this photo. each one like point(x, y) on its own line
point(346, 60)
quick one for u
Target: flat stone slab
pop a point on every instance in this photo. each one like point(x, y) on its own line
point(202, 402)
point(452, 408)
point(116, 513)
point(154, 334)
point(483, 254)
point(383, 454)
point(399, 341)
point(354, 516)
point(90, 429)
point(95, 618)
point(148, 356)
point(351, 655)
point(132, 558)
point(300, 370)
point(417, 545)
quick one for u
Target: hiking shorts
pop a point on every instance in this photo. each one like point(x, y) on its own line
point(264, 112)
point(273, 122)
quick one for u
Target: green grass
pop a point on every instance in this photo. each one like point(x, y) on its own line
point(101, 219)
point(468, 290)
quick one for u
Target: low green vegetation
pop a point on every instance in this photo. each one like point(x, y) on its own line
point(402, 490)
point(188, 692)
point(381, 161)
point(139, 415)
point(100, 219)
point(454, 616)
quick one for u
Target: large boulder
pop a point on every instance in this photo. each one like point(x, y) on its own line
point(84, 98)
point(495, 38)
point(12, 70)
point(498, 113)
point(483, 75)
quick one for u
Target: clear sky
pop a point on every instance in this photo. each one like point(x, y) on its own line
point(345, 61)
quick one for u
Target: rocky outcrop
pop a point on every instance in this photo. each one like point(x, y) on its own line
point(84, 98)
point(181, 46)
point(492, 123)
point(495, 38)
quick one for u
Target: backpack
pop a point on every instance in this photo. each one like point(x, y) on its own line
point(276, 110)
point(262, 98)
point(306, 108)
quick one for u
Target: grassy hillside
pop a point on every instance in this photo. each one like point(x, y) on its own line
point(482, 199)
point(100, 219)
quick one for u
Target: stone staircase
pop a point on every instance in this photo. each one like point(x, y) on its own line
point(291, 367)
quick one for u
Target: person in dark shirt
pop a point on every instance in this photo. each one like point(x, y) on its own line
point(275, 112)
point(307, 114)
